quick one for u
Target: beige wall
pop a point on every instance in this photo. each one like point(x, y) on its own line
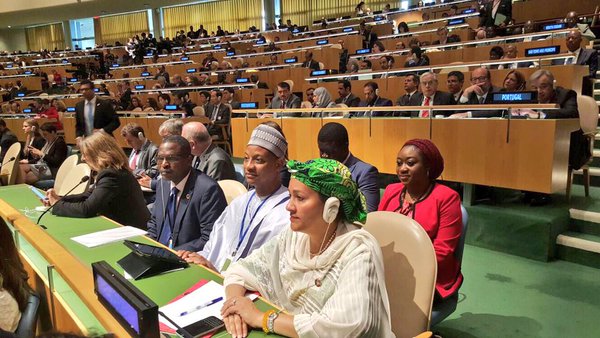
point(13, 39)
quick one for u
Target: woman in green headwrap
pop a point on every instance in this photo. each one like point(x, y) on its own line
point(324, 271)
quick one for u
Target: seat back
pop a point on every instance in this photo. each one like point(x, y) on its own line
point(11, 168)
point(73, 178)
point(232, 189)
point(588, 114)
point(63, 171)
point(410, 270)
point(461, 242)
point(321, 65)
point(199, 111)
point(28, 322)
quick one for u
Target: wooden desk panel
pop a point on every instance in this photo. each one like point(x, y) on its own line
point(301, 134)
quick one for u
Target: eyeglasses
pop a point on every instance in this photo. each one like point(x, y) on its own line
point(169, 159)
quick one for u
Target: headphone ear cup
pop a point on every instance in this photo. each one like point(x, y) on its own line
point(331, 209)
point(141, 136)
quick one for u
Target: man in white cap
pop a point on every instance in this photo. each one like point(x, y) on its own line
point(256, 216)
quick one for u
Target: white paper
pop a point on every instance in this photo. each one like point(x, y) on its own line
point(108, 236)
point(203, 294)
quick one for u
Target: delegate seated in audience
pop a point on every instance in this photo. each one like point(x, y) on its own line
point(386, 62)
point(430, 96)
point(33, 139)
point(168, 128)
point(582, 56)
point(151, 105)
point(572, 21)
point(333, 143)
point(416, 58)
point(203, 100)
point(346, 96)
point(49, 112)
point(163, 101)
point(206, 62)
point(372, 99)
point(143, 152)
point(93, 114)
point(218, 113)
point(44, 162)
point(14, 290)
point(403, 27)
point(208, 158)
point(324, 255)
point(310, 98)
point(478, 93)
point(378, 47)
point(162, 72)
point(115, 193)
point(135, 105)
point(496, 13)
point(434, 206)
point(365, 65)
point(284, 98)
point(411, 88)
point(7, 138)
point(177, 82)
point(322, 98)
point(513, 82)
point(455, 83)
point(512, 53)
point(309, 62)
point(444, 38)
point(255, 217)
point(183, 101)
point(228, 98)
point(496, 53)
point(187, 201)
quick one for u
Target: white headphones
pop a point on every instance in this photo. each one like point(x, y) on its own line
point(331, 209)
point(141, 136)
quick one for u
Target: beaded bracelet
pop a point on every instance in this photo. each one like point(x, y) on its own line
point(266, 319)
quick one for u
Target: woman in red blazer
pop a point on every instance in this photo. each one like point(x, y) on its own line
point(434, 206)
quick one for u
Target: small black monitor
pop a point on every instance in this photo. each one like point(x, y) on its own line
point(230, 53)
point(468, 11)
point(184, 58)
point(554, 26)
point(377, 12)
point(27, 110)
point(242, 80)
point(28, 72)
point(515, 97)
point(149, 53)
point(291, 60)
point(542, 51)
point(454, 22)
point(96, 90)
point(190, 70)
point(379, 18)
point(248, 105)
point(115, 65)
point(20, 94)
point(318, 72)
point(140, 87)
point(217, 47)
point(9, 66)
point(322, 42)
point(73, 79)
point(70, 109)
point(346, 17)
point(363, 51)
point(348, 29)
point(145, 73)
point(171, 107)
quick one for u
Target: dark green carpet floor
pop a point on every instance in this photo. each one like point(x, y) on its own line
point(509, 296)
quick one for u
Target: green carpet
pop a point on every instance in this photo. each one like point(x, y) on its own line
point(510, 296)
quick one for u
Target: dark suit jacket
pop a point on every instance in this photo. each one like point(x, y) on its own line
point(567, 99)
point(451, 39)
point(589, 57)
point(56, 155)
point(292, 102)
point(439, 99)
point(312, 64)
point(188, 107)
point(7, 138)
point(217, 164)
point(116, 195)
point(202, 202)
point(351, 101)
point(147, 159)
point(505, 8)
point(365, 175)
point(404, 100)
point(379, 102)
point(488, 100)
point(105, 117)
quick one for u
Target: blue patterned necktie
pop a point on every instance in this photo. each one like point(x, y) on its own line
point(169, 220)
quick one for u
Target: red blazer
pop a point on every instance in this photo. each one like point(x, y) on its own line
point(51, 113)
point(440, 215)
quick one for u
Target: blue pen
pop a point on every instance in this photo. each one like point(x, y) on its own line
point(216, 300)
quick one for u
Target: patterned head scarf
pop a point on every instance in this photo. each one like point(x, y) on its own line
point(431, 154)
point(332, 179)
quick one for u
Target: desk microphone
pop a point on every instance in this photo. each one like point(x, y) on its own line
point(7, 162)
point(83, 180)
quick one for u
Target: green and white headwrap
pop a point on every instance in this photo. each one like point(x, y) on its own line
point(332, 179)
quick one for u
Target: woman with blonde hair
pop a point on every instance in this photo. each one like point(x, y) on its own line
point(44, 162)
point(116, 193)
point(34, 139)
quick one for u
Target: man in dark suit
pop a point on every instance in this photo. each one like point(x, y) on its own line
point(142, 159)
point(444, 38)
point(411, 87)
point(284, 98)
point(582, 56)
point(229, 99)
point(188, 202)
point(372, 99)
point(430, 96)
point(218, 113)
point(208, 158)
point(455, 83)
point(93, 114)
point(182, 100)
point(309, 62)
point(480, 92)
point(333, 143)
point(496, 13)
point(346, 96)
point(512, 52)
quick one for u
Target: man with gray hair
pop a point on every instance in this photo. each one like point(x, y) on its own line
point(208, 158)
point(255, 217)
point(170, 127)
point(431, 96)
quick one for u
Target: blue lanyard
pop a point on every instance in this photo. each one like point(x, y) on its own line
point(243, 232)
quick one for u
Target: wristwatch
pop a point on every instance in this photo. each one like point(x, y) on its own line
point(271, 321)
